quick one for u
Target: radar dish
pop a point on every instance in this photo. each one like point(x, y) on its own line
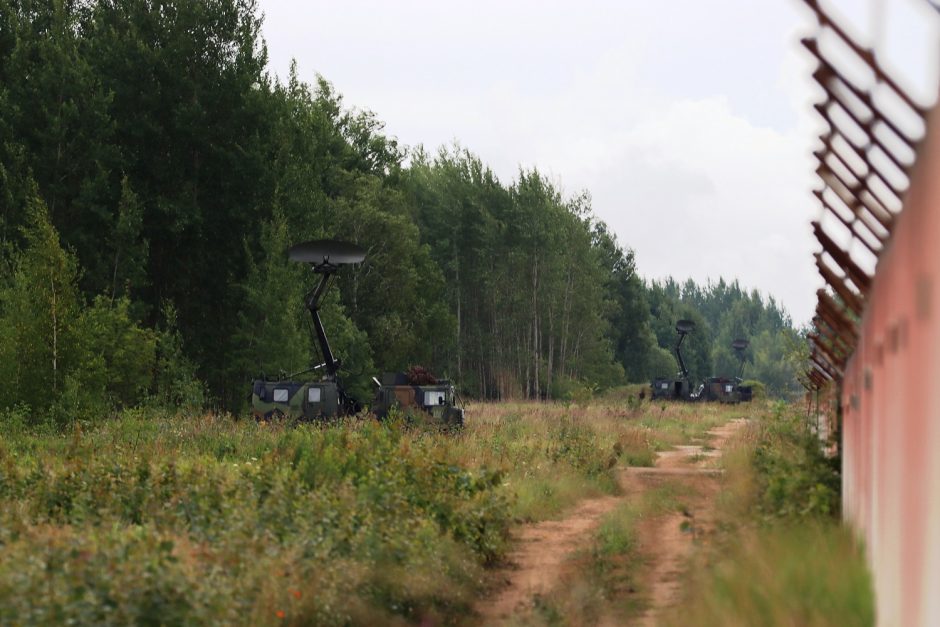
point(739, 344)
point(685, 326)
point(326, 251)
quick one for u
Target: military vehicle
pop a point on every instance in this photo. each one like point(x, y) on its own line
point(720, 389)
point(728, 389)
point(662, 389)
point(681, 386)
point(326, 398)
point(418, 389)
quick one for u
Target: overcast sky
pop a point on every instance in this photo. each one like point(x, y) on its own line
point(689, 122)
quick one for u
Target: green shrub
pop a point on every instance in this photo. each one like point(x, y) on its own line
point(794, 476)
point(40, 306)
point(758, 389)
point(188, 521)
point(71, 360)
point(174, 380)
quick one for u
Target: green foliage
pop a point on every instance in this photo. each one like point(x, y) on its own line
point(572, 390)
point(576, 445)
point(781, 556)
point(176, 170)
point(661, 363)
point(523, 317)
point(778, 356)
point(630, 332)
point(795, 477)
point(143, 534)
point(67, 360)
point(294, 508)
point(175, 383)
point(197, 518)
point(40, 310)
point(117, 357)
point(616, 534)
point(397, 296)
point(273, 334)
point(758, 389)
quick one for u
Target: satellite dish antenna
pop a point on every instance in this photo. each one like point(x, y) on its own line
point(685, 326)
point(326, 252)
point(739, 344)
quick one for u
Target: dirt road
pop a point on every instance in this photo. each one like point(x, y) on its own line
point(668, 541)
point(544, 550)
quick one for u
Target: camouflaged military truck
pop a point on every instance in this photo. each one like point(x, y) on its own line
point(406, 391)
point(662, 389)
point(721, 389)
point(293, 399)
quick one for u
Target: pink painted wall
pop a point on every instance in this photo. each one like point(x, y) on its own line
point(891, 409)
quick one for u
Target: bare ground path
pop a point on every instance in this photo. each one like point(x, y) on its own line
point(544, 550)
point(668, 541)
point(541, 557)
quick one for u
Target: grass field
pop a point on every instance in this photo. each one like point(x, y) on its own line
point(182, 519)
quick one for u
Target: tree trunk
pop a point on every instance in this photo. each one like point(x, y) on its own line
point(459, 312)
point(535, 329)
point(551, 351)
point(565, 323)
point(55, 340)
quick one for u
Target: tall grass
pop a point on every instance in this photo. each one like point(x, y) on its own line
point(188, 519)
point(810, 574)
point(781, 556)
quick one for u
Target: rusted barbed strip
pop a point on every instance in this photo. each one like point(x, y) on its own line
point(864, 161)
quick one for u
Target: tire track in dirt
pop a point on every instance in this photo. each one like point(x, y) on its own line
point(541, 557)
point(668, 540)
point(544, 550)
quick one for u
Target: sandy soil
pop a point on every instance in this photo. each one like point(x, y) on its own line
point(540, 558)
point(544, 550)
point(668, 541)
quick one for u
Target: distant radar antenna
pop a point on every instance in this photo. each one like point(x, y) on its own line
point(683, 328)
point(739, 346)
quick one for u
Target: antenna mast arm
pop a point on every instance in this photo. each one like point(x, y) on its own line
point(313, 304)
point(682, 369)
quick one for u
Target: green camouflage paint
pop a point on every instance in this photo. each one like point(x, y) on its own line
point(291, 399)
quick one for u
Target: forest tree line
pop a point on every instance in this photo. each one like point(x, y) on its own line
point(154, 172)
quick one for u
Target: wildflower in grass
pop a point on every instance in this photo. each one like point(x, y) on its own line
point(280, 614)
point(295, 593)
